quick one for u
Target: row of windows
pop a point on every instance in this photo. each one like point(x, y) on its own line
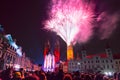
point(117, 62)
point(89, 67)
point(97, 61)
point(8, 45)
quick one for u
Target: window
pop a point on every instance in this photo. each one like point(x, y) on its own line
point(75, 63)
point(103, 66)
point(112, 66)
point(88, 61)
point(89, 66)
point(98, 61)
point(116, 62)
point(85, 66)
point(72, 63)
point(96, 57)
point(111, 61)
point(69, 63)
point(103, 61)
point(91, 61)
point(106, 61)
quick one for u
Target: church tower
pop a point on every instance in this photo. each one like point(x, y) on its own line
point(70, 55)
point(47, 48)
point(84, 53)
point(57, 51)
point(108, 51)
point(78, 56)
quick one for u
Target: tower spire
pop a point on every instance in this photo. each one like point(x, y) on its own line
point(83, 52)
point(108, 50)
point(57, 51)
point(47, 48)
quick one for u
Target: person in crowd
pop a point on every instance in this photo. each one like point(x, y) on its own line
point(7, 74)
point(67, 76)
point(22, 73)
point(42, 75)
point(32, 76)
point(17, 76)
point(60, 75)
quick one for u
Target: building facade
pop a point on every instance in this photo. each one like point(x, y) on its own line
point(105, 63)
point(9, 56)
point(7, 53)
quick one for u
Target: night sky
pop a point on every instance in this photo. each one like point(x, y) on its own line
point(23, 20)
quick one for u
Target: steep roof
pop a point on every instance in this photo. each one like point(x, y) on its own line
point(116, 56)
point(102, 55)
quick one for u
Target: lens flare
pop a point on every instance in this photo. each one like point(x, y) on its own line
point(69, 18)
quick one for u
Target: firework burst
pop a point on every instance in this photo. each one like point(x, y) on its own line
point(71, 20)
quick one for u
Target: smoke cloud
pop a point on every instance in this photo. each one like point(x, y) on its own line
point(107, 23)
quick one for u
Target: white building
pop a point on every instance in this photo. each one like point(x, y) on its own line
point(106, 63)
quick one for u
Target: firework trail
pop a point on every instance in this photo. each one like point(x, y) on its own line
point(71, 20)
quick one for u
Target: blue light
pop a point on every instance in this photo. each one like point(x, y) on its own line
point(19, 51)
point(13, 44)
point(9, 38)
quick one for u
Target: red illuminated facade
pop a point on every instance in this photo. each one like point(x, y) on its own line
point(47, 48)
point(57, 52)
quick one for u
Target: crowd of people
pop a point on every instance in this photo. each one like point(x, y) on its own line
point(11, 74)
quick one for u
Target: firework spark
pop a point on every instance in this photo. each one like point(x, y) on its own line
point(69, 18)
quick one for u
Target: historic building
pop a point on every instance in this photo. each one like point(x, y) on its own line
point(11, 55)
point(51, 56)
point(7, 53)
point(106, 62)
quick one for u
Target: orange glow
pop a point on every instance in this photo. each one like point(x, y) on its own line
point(70, 52)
